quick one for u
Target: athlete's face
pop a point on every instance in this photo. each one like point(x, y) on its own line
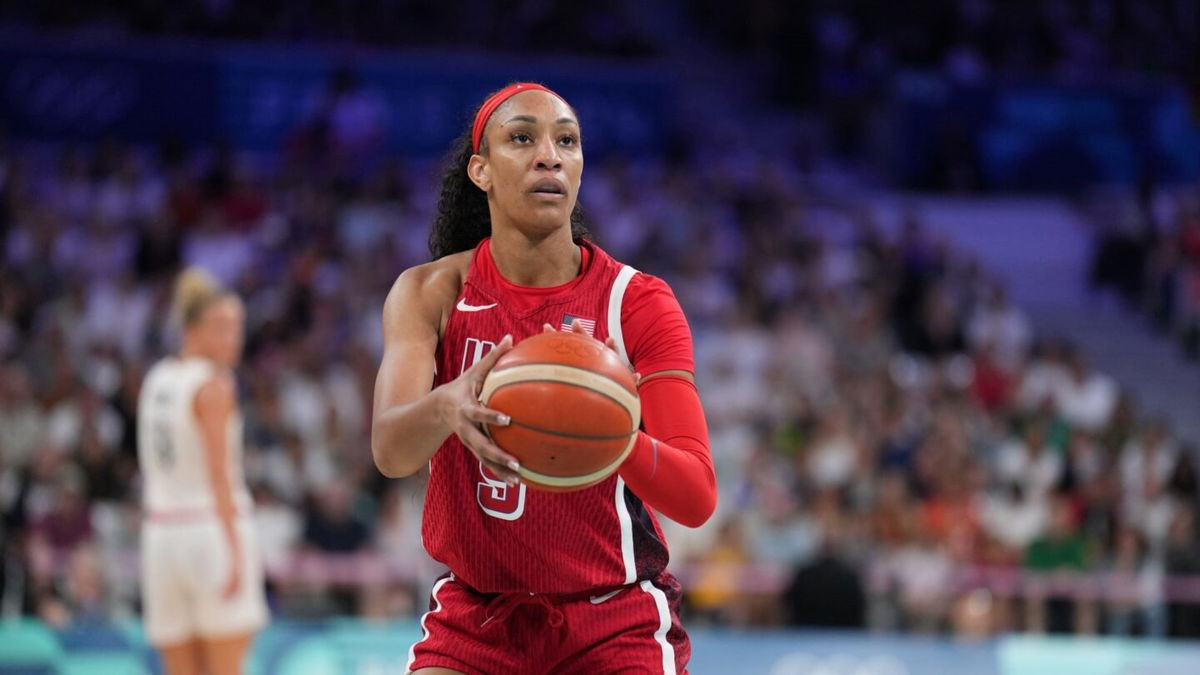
point(220, 331)
point(532, 163)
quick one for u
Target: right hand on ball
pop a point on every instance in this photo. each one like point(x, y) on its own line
point(463, 413)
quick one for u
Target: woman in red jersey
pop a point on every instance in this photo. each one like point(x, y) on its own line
point(539, 582)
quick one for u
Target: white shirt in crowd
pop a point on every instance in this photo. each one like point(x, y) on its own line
point(1140, 463)
point(1006, 329)
point(1039, 383)
point(1015, 522)
point(278, 527)
point(1086, 404)
point(1037, 474)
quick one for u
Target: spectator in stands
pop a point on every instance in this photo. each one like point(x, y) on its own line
point(1014, 518)
point(951, 513)
point(779, 533)
point(1163, 259)
point(1049, 606)
point(1085, 398)
point(82, 597)
point(919, 576)
point(1134, 591)
point(893, 517)
point(21, 418)
point(331, 525)
point(1030, 461)
point(397, 536)
point(353, 122)
point(827, 591)
point(1183, 558)
point(66, 523)
point(1184, 484)
point(1041, 377)
point(278, 527)
point(939, 332)
point(1146, 463)
point(1002, 327)
point(991, 383)
point(832, 459)
point(1091, 479)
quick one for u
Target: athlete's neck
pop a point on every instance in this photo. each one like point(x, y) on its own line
point(190, 351)
point(550, 261)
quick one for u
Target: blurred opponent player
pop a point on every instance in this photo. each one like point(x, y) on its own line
point(539, 582)
point(201, 574)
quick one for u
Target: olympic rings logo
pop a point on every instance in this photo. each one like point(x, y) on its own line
point(69, 94)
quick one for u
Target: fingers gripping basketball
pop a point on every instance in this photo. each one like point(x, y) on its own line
point(573, 407)
point(470, 415)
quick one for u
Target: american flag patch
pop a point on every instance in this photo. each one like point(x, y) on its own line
point(589, 325)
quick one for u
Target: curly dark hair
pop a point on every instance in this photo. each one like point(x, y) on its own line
point(462, 218)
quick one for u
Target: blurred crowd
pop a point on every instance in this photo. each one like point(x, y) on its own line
point(895, 447)
point(852, 67)
point(850, 46)
point(1147, 253)
point(834, 45)
point(920, 460)
point(608, 27)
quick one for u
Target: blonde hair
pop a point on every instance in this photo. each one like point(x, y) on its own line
point(195, 289)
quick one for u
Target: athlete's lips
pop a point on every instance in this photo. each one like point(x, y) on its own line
point(549, 186)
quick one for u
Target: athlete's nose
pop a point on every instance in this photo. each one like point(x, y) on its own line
point(547, 154)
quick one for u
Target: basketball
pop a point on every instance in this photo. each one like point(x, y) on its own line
point(574, 410)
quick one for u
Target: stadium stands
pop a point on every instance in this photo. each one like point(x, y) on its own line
point(889, 426)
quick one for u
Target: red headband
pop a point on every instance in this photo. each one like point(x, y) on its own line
point(494, 101)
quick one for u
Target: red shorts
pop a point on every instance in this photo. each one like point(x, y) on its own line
point(626, 629)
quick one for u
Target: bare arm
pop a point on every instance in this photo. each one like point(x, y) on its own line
point(215, 402)
point(411, 418)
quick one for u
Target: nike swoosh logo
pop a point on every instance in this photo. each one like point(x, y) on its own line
point(462, 306)
point(597, 599)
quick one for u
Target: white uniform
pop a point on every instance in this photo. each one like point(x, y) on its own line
point(185, 556)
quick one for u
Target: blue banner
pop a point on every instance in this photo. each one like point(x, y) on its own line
point(85, 94)
point(264, 98)
point(1040, 136)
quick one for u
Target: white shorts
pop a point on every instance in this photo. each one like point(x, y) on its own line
point(185, 566)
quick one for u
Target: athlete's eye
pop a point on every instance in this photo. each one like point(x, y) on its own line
point(569, 140)
point(521, 137)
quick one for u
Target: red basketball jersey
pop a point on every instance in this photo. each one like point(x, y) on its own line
point(501, 539)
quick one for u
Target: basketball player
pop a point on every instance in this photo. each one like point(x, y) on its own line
point(539, 582)
point(201, 574)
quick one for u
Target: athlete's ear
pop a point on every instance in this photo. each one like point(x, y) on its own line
point(480, 172)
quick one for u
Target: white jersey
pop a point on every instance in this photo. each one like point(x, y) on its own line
point(170, 448)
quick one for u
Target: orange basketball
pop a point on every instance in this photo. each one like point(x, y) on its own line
point(574, 409)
